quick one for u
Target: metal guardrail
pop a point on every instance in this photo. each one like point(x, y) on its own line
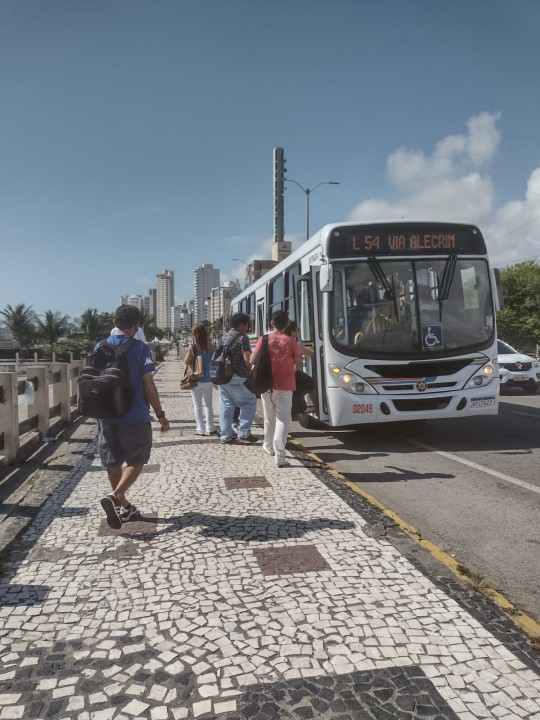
point(43, 383)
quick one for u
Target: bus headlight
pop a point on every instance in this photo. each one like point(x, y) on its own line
point(483, 377)
point(349, 381)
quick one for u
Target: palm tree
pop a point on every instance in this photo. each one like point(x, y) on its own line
point(216, 329)
point(53, 327)
point(21, 322)
point(148, 324)
point(91, 324)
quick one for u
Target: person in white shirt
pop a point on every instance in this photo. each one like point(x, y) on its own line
point(139, 335)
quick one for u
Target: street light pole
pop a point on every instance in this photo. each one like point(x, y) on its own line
point(308, 192)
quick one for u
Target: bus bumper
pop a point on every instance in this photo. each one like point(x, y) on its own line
point(347, 409)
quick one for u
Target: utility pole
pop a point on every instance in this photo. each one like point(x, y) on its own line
point(279, 192)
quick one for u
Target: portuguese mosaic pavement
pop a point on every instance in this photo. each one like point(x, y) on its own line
point(243, 591)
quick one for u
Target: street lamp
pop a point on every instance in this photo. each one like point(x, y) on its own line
point(308, 192)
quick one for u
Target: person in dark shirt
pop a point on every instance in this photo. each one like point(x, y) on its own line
point(234, 393)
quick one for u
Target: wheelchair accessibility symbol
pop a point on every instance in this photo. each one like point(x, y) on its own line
point(432, 336)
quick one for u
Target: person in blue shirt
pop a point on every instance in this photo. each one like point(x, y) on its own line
point(128, 439)
point(203, 410)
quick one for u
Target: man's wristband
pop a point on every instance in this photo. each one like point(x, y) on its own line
point(160, 415)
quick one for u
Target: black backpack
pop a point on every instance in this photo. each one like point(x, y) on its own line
point(104, 387)
point(260, 380)
point(221, 370)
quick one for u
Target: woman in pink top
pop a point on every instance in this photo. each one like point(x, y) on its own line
point(285, 359)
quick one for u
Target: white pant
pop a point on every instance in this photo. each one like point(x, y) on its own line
point(277, 416)
point(202, 407)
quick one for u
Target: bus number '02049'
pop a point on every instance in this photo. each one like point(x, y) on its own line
point(362, 408)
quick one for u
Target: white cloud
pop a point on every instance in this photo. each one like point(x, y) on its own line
point(515, 227)
point(453, 184)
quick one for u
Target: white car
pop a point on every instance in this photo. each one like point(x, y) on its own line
point(517, 369)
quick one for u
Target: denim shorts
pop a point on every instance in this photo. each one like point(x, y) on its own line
point(120, 443)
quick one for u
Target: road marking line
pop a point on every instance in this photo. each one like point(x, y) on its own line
point(474, 465)
point(526, 414)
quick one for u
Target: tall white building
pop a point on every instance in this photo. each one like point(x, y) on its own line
point(135, 300)
point(205, 277)
point(220, 301)
point(164, 299)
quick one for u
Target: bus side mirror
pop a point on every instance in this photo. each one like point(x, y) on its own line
point(326, 278)
point(499, 298)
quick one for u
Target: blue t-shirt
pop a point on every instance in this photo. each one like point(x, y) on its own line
point(139, 360)
point(206, 357)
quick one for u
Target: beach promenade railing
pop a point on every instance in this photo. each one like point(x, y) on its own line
point(36, 401)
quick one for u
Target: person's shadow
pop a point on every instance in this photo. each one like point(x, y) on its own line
point(248, 528)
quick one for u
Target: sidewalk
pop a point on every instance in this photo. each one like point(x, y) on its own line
point(246, 591)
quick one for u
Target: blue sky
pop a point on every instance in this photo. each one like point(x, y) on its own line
point(137, 135)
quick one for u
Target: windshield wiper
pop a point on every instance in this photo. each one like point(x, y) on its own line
point(446, 282)
point(381, 278)
point(375, 267)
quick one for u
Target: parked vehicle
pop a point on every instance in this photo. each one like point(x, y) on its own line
point(517, 369)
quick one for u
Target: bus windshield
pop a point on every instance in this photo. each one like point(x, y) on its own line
point(411, 307)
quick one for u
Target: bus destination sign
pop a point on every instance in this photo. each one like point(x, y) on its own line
point(405, 239)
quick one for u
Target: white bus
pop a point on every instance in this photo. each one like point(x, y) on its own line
point(400, 315)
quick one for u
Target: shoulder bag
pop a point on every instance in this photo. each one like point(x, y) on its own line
point(192, 370)
point(260, 380)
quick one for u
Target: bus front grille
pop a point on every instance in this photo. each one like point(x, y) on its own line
point(419, 404)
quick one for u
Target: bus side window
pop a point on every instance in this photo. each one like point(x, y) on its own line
point(305, 311)
point(275, 296)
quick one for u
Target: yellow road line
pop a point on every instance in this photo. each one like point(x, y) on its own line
point(525, 622)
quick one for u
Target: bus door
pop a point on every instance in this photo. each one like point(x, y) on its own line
point(308, 305)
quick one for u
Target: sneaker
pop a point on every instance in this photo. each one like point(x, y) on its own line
point(281, 463)
point(250, 439)
point(268, 451)
point(112, 509)
point(228, 442)
point(127, 513)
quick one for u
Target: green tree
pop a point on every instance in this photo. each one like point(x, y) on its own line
point(21, 322)
point(53, 327)
point(216, 329)
point(94, 325)
point(519, 322)
point(148, 324)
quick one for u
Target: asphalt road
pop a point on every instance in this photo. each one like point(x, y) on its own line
point(471, 486)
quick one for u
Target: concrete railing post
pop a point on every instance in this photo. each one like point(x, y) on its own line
point(76, 367)
point(61, 388)
point(40, 406)
point(9, 415)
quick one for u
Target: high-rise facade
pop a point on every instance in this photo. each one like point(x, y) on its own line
point(220, 301)
point(152, 301)
point(206, 277)
point(164, 299)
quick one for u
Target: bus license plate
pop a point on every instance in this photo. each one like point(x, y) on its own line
point(483, 402)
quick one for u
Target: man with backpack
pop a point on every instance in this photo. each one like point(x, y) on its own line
point(128, 439)
point(233, 393)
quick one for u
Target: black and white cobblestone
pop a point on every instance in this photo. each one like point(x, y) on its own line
point(179, 618)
